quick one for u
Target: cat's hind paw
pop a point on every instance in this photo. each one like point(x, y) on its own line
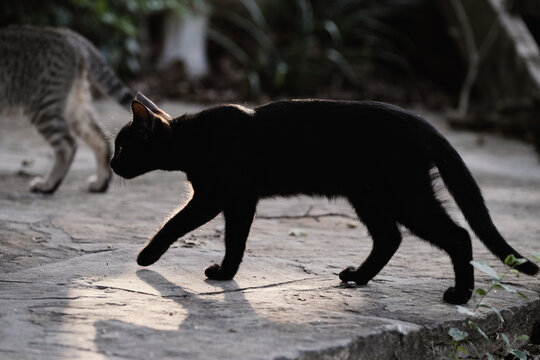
point(215, 272)
point(457, 297)
point(351, 274)
point(44, 186)
point(347, 274)
point(96, 185)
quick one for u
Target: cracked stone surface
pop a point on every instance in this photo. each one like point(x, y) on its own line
point(70, 287)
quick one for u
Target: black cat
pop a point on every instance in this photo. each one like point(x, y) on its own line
point(376, 155)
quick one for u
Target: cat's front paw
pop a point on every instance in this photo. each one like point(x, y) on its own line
point(40, 185)
point(457, 297)
point(148, 256)
point(215, 272)
point(154, 249)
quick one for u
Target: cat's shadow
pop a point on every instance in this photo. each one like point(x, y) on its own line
point(213, 322)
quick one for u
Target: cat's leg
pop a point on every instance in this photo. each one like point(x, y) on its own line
point(93, 134)
point(198, 211)
point(238, 219)
point(386, 240)
point(80, 115)
point(54, 129)
point(430, 221)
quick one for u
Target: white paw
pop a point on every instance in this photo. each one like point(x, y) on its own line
point(97, 185)
point(38, 184)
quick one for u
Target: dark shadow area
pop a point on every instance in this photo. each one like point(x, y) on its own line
point(225, 311)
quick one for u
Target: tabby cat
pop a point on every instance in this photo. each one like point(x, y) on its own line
point(45, 71)
point(376, 155)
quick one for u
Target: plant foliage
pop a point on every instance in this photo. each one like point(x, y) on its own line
point(296, 45)
point(112, 25)
point(460, 338)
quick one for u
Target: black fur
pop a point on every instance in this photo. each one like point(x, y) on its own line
point(376, 155)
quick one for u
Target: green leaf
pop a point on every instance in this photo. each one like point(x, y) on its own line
point(480, 292)
point(510, 259)
point(230, 46)
point(504, 337)
point(489, 356)
point(471, 346)
point(332, 29)
point(536, 256)
point(280, 73)
point(477, 328)
point(486, 269)
point(508, 288)
point(522, 338)
point(457, 334)
point(519, 354)
point(498, 313)
point(341, 62)
point(523, 295)
point(462, 350)
point(481, 332)
point(464, 310)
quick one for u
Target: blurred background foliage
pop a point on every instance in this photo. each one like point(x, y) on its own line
point(271, 48)
point(113, 26)
point(318, 46)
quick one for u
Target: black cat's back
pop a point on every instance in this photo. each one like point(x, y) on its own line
point(327, 127)
point(323, 147)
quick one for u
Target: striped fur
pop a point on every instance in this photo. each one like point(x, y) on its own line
point(47, 73)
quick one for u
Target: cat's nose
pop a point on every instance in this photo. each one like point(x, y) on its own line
point(115, 168)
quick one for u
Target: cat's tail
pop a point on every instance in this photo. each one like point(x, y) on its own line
point(467, 194)
point(103, 76)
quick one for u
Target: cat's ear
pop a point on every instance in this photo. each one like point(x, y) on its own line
point(142, 116)
point(151, 106)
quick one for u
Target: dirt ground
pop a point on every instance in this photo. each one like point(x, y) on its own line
point(70, 287)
